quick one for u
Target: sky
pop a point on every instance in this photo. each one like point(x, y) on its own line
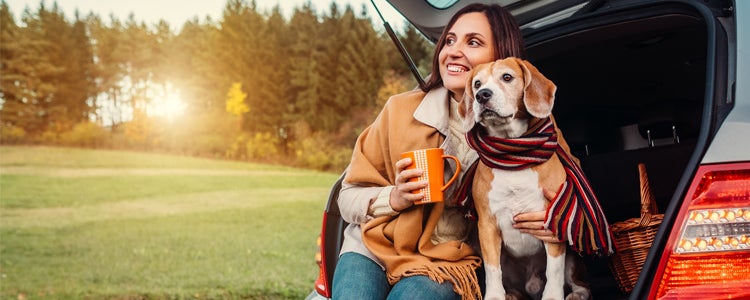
point(177, 12)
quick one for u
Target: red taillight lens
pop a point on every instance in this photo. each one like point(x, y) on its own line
point(708, 252)
point(322, 286)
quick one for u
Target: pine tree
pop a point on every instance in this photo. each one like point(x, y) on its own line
point(362, 74)
point(243, 56)
point(12, 75)
point(31, 73)
point(304, 82)
point(420, 50)
point(136, 50)
point(110, 103)
point(79, 74)
point(331, 69)
point(193, 68)
point(273, 90)
point(68, 49)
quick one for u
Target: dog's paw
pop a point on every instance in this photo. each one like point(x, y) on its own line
point(579, 295)
point(534, 285)
point(513, 295)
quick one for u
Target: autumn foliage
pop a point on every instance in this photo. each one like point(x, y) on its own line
point(256, 85)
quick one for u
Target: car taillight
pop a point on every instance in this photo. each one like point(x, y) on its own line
point(322, 286)
point(707, 255)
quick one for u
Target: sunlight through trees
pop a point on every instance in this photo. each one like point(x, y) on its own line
point(309, 75)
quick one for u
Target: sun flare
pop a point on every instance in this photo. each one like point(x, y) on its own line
point(168, 105)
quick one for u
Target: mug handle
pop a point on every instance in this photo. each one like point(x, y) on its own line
point(455, 174)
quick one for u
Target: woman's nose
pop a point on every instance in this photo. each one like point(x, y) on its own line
point(456, 51)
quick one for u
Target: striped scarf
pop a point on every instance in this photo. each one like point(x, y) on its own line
point(574, 215)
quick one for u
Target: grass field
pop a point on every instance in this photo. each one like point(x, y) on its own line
point(94, 224)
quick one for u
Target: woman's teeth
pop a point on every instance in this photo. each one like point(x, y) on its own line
point(455, 68)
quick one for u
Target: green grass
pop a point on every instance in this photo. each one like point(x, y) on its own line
point(85, 224)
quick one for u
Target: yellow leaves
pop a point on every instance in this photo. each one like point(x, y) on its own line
point(236, 100)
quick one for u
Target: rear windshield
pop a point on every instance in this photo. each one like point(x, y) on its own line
point(442, 4)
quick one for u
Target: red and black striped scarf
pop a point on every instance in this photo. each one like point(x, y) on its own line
point(574, 215)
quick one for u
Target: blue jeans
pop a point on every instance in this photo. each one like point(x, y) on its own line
point(358, 277)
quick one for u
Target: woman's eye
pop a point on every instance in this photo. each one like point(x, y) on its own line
point(507, 77)
point(450, 41)
point(474, 43)
point(477, 84)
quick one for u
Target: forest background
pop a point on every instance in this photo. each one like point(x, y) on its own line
point(252, 85)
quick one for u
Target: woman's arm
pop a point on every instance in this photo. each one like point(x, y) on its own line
point(358, 203)
point(354, 201)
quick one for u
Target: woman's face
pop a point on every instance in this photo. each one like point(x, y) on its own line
point(467, 44)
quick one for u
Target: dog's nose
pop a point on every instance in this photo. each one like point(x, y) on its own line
point(484, 95)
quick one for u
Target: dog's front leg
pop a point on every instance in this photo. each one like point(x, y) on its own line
point(554, 289)
point(490, 240)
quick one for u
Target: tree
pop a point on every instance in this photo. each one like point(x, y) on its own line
point(304, 82)
point(109, 71)
point(357, 77)
point(194, 69)
point(136, 48)
point(419, 49)
point(12, 75)
point(28, 73)
point(77, 84)
point(271, 93)
point(311, 76)
point(236, 100)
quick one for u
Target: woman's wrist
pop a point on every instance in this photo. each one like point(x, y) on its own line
point(381, 205)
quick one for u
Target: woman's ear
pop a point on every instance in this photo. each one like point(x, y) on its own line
point(538, 92)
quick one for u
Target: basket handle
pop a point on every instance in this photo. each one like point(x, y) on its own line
point(648, 204)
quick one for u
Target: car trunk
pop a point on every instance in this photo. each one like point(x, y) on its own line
point(634, 87)
point(631, 90)
point(628, 96)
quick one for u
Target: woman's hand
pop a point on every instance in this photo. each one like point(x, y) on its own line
point(533, 222)
point(401, 196)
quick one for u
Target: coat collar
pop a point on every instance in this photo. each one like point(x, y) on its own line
point(433, 110)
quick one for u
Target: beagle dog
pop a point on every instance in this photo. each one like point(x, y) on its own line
point(505, 97)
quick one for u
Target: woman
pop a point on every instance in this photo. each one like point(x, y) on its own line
point(422, 257)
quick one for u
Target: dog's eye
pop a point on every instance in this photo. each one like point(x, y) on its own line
point(477, 84)
point(507, 77)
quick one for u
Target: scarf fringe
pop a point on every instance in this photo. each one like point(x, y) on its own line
point(464, 278)
point(575, 214)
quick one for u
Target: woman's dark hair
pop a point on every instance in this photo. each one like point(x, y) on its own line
point(505, 32)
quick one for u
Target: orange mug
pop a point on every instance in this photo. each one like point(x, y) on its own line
point(432, 162)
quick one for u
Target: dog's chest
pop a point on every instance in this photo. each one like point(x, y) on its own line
point(511, 193)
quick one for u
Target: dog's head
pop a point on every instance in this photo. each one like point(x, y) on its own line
point(503, 95)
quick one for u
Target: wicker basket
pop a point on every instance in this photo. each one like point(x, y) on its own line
point(633, 238)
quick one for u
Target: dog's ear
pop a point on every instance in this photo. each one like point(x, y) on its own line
point(539, 92)
point(466, 107)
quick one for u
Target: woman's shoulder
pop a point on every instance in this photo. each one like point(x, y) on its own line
point(406, 99)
